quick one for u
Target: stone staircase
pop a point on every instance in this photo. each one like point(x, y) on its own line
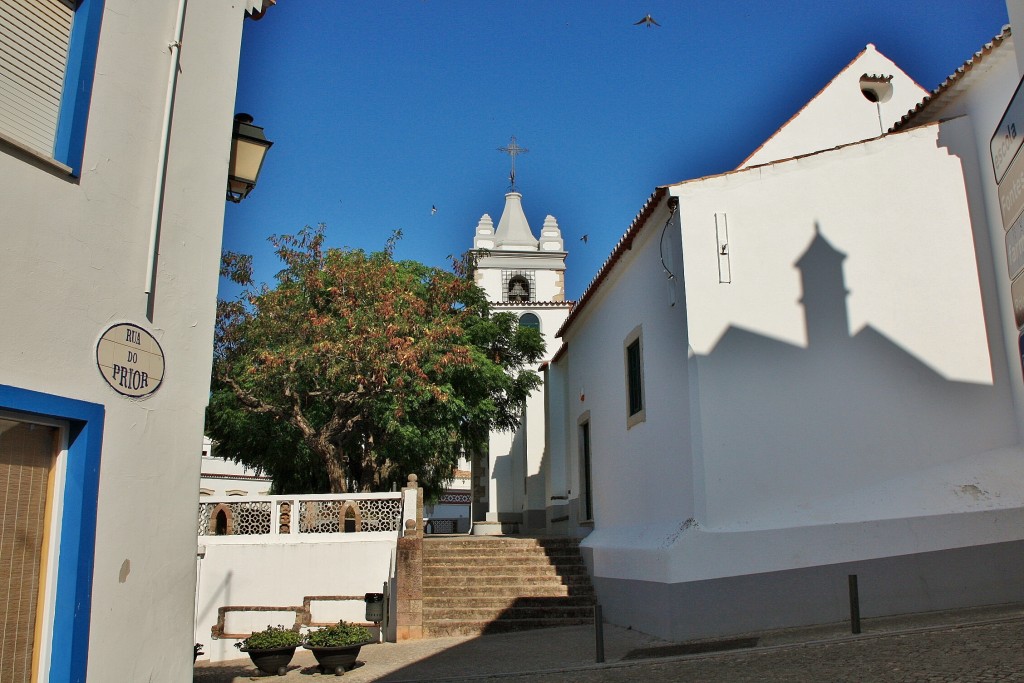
point(476, 585)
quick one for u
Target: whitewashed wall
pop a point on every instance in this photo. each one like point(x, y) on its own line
point(840, 113)
point(223, 477)
point(260, 574)
point(75, 261)
point(900, 377)
point(516, 486)
point(982, 97)
point(641, 475)
point(550, 285)
point(845, 398)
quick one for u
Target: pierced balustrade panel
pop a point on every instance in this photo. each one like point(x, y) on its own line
point(337, 516)
point(319, 516)
point(381, 514)
point(244, 518)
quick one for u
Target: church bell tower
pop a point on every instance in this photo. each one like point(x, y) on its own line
point(524, 275)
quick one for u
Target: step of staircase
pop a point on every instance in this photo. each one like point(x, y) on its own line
point(476, 585)
point(444, 628)
point(501, 557)
point(514, 611)
point(451, 579)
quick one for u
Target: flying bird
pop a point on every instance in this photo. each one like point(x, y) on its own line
point(585, 238)
point(647, 21)
point(433, 209)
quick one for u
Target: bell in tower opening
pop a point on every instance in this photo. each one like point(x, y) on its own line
point(518, 289)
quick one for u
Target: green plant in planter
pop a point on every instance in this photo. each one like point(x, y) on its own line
point(270, 638)
point(339, 635)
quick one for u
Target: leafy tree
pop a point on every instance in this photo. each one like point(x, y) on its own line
point(273, 446)
point(369, 367)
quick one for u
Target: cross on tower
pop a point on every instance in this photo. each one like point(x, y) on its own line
point(513, 149)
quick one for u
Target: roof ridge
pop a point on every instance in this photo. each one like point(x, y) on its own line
point(526, 304)
point(625, 242)
point(953, 78)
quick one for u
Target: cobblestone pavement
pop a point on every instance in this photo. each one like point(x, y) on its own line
point(965, 654)
point(963, 646)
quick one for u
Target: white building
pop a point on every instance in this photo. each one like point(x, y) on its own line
point(115, 133)
point(451, 513)
point(222, 477)
point(524, 275)
point(818, 371)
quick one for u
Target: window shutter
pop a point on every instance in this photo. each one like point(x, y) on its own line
point(26, 453)
point(34, 38)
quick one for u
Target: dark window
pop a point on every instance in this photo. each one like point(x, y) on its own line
point(530, 320)
point(635, 377)
point(588, 498)
point(221, 524)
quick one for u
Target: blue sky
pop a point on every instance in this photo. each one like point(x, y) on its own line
point(380, 110)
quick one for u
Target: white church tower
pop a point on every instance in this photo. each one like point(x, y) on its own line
point(523, 275)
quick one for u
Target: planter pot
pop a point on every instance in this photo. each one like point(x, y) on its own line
point(272, 661)
point(337, 659)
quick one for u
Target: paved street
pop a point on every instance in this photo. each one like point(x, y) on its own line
point(963, 646)
point(993, 652)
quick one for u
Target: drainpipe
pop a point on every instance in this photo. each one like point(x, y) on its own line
point(161, 178)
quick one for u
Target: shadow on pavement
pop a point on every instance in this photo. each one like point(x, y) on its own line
point(444, 659)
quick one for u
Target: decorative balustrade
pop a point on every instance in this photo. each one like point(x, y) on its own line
point(296, 517)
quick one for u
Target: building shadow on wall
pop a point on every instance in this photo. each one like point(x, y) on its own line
point(846, 411)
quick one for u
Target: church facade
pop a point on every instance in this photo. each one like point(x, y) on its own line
point(809, 370)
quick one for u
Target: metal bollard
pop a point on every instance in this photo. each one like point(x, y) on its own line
point(854, 605)
point(599, 633)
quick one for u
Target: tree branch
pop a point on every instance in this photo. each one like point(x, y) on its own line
point(249, 401)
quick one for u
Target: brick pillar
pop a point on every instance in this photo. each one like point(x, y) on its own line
point(409, 574)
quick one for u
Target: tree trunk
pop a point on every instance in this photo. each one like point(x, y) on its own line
point(367, 472)
point(328, 453)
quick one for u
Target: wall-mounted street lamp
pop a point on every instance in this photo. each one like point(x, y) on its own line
point(248, 148)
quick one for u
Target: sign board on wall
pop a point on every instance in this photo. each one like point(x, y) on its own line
point(1011, 192)
point(1009, 135)
point(1020, 348)
point(1015, 248)
point(1017, 293)
point(130, 360)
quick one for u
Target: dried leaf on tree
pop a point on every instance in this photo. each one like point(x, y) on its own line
point(355, 369)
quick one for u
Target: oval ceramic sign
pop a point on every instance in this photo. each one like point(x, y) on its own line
point(130, 359)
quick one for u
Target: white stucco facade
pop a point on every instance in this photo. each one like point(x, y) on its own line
point(222, 477)
point(117, 587)
point(831, 380)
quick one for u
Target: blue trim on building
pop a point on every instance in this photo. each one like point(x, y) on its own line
point(73, 605)
point(69, 144)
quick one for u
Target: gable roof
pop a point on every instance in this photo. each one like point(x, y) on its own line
point(841, 112)
point(953, 83)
